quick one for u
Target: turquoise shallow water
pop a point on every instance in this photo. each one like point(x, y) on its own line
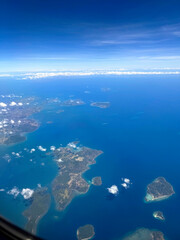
point(139, 135)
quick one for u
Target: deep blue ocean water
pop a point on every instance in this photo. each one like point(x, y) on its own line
point(139, 135)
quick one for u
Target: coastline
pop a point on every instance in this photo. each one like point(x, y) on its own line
point(157, 199)
point(76, 192)
point(156, 216)
point(83, 228)
point(42, 200)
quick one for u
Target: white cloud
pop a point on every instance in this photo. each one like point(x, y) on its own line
point(59, 160)
point(6, 75)
point(113, 189)
point(140, 73)
point(42, 149)
point(160, 57)
point(32, 150)
point(52, 148)
point(13, 104)
point(124, 185)
point(3, 104)
point(91, 73)
point(71, 73)
point(14, 191)
point(126, 180)
point(7, 157)
point(27, 193)
point(72, 145)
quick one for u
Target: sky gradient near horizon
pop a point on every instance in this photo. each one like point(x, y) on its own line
point(38, 35)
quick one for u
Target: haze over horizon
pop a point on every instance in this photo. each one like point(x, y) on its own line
point(89, 35)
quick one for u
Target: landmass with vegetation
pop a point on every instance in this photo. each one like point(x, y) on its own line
point(41, 200)
point(97, 181)
point(85, 232)
point(159, 190)
point(72, 161)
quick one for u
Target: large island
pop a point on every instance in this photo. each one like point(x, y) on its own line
point(158, 190)
point(41, 200)
point(72, 161)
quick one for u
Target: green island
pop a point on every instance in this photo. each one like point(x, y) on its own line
point(159, 215)
point(41, 200)
point(85, 232)
point(100, 104)
point(145, 234)
point(97, 181)
point(72, 162)
point(158, 190)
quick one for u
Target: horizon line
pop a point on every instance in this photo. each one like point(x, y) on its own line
point(43, 74)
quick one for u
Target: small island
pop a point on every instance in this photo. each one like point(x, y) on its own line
point(159, 215)
point(72, 102)
point(86, 232)
point(158, 190)
point(100, 104)
point(72, 161)
point(145, 234)
point(97, 181)
point(41, 200)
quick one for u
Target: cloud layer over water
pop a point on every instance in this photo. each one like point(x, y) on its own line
point(38, 75)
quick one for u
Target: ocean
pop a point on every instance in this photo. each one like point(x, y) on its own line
point(140, 137)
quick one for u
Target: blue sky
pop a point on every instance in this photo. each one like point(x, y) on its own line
point(67, 35)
